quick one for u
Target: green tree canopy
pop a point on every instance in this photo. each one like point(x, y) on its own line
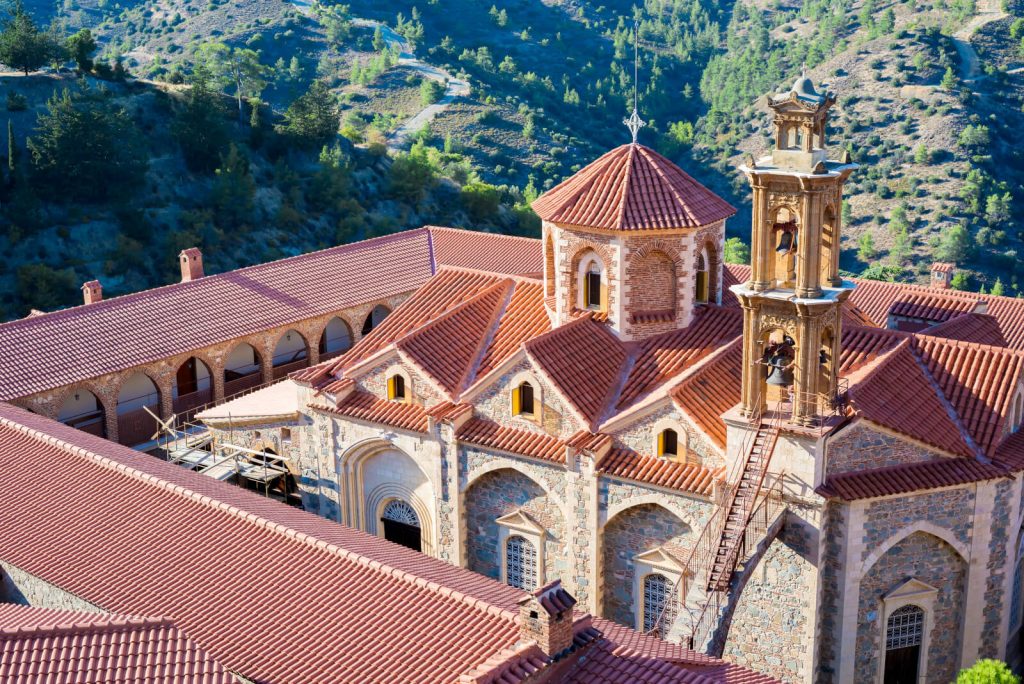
point(80, 47)
point(736, 251)
point(42, 287)
point(233, 67)
point(22, 45)
point(86, 147)
point(987, 672)
point(199, 126)
point(481, 200)
point(312, 119)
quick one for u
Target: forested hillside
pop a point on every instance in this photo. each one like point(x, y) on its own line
point(259, 128)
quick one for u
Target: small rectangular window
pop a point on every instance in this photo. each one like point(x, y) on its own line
point(526, 399)
point(593, 294)
point(286, 435)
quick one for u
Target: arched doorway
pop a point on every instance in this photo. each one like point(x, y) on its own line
point(336, 339)
point(135, 424)
point(242, 369)
point(378, 474)
point(290, 354)
point(401, 524)
point(193, 387)
point(374, 318)
point(83, 410)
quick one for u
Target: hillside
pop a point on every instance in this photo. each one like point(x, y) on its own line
point(529, 91)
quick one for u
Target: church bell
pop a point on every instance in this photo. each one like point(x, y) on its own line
point(779, 372)
point(787, 243)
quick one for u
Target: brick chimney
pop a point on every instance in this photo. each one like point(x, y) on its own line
point(191, 260)
point(92, 292)
point(545, 616)
point(942, 275)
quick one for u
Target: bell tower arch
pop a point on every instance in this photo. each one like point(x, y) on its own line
point(792, 302)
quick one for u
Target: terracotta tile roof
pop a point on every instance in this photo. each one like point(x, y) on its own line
point(632, 188)
point(589, 441)
point(897, 393)
point(630, 465)
point(42, 645)
point(365, 406)
point(712, 389)
point(665, 356)
point(1009, 311)
point(447, 348)
point(862, 345)
point(442, 293)
point(943, 267)
point(585, 361)
point(486, 251)
point(904, 479)
point(979, 381)
point(487, 433)
point(55, 349)
point(931, 305)
point(524, 318)
point(278, 594)
point(971, 327)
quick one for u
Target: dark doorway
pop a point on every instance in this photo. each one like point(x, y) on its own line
point(901, 665)
point(188, 382)
point(401, 533)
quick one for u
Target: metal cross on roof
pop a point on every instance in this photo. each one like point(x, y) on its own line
point(634, 123)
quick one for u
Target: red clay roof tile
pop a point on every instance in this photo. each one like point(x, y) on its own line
point(661, 472)
point(712, 389)
point(43, 645)
point(486, 251)
point(517, 441)
point(632, 188)
point(971, 327)
point(904, 479)
point(365, 406)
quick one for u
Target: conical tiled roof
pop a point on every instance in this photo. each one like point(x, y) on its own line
point(632, 188)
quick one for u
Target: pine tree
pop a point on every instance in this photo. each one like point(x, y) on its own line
point(11, 149)
point(997, 288)
point(23, 45)
point(949, 79)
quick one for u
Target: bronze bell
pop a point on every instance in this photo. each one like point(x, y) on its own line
point(787, 243)
point(779, 372)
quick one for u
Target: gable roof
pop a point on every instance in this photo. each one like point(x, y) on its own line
point(55, 349)
point(632, 188)
point(585, 361)
point(711, 390)
point(971, 327)
point(279, 595)
point(44, 645)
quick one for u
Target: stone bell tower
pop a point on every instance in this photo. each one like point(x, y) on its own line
point(792, 302)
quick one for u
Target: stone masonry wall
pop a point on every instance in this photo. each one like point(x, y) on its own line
point(18, 586)
point(495, 403)
point(694, 446)
point(769, 631)
point(830, 577)
point(499, 493)
point(996, 603)
point(928, 559)
point(862, 447)
point(951, 509)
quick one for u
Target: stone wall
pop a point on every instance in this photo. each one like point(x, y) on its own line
point(498, 493)
point(769, 630)
point(18, 586)
point(830, 578)
point(951, 509)
point(927, 559)
point(422, 391)
point(862, 447)
point(694, 446)
point(630, 533)
point(1000, 549)
point(495, 403)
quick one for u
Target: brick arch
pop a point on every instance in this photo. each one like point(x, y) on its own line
point(922, 526)
point(499, 492)
point(708, 244)
point(653, 277)
point(604, 254)
point(319, 326)
point(633, 530)
point(658, 245)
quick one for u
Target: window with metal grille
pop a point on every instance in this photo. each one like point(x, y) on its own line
point(658, 603)
point(520, 563)
point(1015, 596)
point(905, 628)
point(399, 511)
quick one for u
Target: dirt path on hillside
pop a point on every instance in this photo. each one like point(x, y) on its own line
point(970, 63)
point(454, 87)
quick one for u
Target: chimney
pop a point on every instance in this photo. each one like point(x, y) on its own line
point(545, 616)
point(92, 292)
point(191, 260)
point(942, 275)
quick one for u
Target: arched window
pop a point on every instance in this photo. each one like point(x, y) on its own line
point(401, 524)
point(520, 563)
point(373, 319)
point(396, 388)
point(592, 286)
point(702, 295)
point(904, 633)
point(522, 400)
point(668, 443)
point(657, 601)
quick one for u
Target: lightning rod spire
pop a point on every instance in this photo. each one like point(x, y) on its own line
point(634, 123)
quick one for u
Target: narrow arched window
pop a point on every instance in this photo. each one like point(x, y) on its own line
point(702, 295)
point(904, 633)
point(658, 604)
point(520, 563)
point(522, 400)
point(396, 388)
point(668, 443)
point(592, 286)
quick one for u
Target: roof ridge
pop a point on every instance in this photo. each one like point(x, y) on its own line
point(254, 518)
point(471, 231)
point(626, 181)
point(486, 339)
point(655, 164)
point(968, 344)
point(111, 623)
point(107, 303)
